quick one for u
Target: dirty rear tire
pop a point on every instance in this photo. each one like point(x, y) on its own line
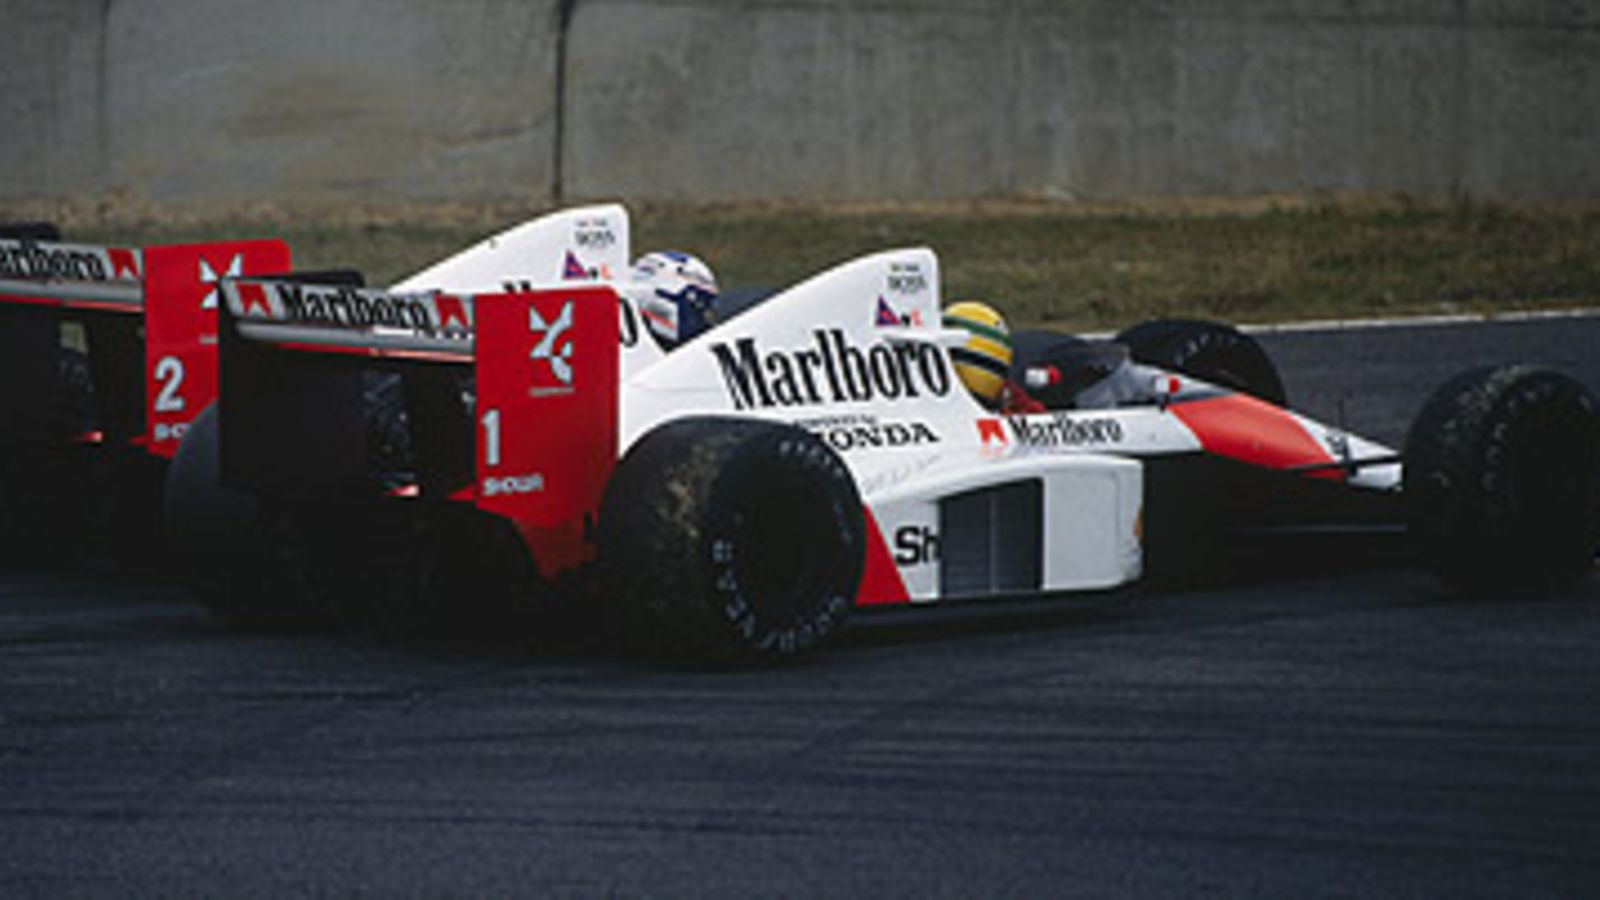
point(733, 540)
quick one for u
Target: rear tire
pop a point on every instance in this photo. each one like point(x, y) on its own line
point(242, 560)
point(733, 540)
point(1502, 481)
point(1209, 351)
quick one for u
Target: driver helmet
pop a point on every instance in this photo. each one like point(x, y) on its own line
point(983, 362)
point(676, 295)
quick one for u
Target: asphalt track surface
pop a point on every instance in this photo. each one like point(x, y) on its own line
point(1339, 733)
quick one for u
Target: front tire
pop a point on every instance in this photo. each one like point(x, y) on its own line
point(1209, 351)
point(733, 540)
point(1502, 481)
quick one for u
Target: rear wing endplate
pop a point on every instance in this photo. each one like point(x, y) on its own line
point(149, 329)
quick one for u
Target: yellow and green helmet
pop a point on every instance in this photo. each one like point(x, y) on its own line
point(984, 361)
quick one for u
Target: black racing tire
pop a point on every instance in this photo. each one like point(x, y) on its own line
point(1209, 351)
point(733, 540)
point(1502, 481)
point(244, 560)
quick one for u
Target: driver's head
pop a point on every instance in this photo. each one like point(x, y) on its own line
point(983, 362)
point(678, 296)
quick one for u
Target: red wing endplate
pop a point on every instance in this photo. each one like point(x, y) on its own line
point(182, 292)
point(547, 415)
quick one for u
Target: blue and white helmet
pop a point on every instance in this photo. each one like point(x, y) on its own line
point(678, 296)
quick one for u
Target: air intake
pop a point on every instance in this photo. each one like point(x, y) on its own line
point(992, 540)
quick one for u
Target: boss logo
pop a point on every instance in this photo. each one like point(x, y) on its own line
point(906, 278)
point(594, 236)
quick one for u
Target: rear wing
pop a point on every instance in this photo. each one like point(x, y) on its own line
point(53, 273)
point(354, 321)
point(148, 327)
point(510, 399)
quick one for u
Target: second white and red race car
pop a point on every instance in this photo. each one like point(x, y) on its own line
point(813, 455)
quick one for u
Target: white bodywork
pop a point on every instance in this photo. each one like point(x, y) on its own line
point(857, 355)
point(898, 416)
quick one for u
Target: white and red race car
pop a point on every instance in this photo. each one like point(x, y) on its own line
point(106, 355)
point(810, 456)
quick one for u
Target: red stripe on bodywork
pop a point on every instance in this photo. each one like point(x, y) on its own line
point(1243, 428)
point(880, 579)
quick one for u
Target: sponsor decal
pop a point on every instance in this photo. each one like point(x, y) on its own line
point(31, 260)
point(503, 485)
point(452, 312)
point(915, 545)
point(210, 276)
point(846, 433)
point(555, 352)
point(832, 370)
point(347, 307)
point(572, 269)
point(887, 317)
point(991, 432)
point(171, 432)
point(252, 297)
point(906, 278)
point(1062, 430)
point(594, 234)
point(627, 318)
point(124, 263)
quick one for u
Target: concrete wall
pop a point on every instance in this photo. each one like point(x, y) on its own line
point(197, 100)
point(1094, 98)
point(423, 100)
